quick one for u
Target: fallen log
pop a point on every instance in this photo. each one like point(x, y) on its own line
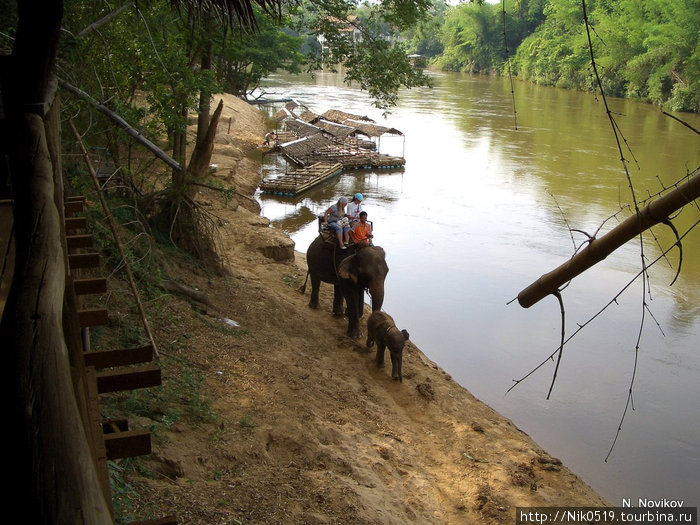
point(183, 289)
point(598, 249)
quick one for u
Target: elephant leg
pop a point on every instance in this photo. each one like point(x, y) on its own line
point(370, 341)
point(354, 328)
point(396, 358)
point(360, 303)
point(380, 354)
point(338, 300)
point(315, 290)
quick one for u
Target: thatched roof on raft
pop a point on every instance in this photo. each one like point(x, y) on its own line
point(302, 149)
point(340, 131)
point(309, 116)
point(340, 117)
point(301, 128)
point(293, 105)
point(371, 130)
point(283, 114)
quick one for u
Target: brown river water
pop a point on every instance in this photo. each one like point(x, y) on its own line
point(481, 210)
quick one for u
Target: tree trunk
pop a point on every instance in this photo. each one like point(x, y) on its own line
point(201, 157)
point(204, 97)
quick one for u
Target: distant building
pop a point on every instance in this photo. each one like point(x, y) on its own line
point(351, 27)
point(418, 60)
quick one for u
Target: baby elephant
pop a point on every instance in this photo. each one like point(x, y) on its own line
point(382, 330)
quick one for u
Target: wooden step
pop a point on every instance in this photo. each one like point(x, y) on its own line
point(90, 286)
point(127, 444)
point(75, 223)
point(74, 198)
point(122, 357)
point(72, 207)
point(83, 260)
point(79, 241)
point(93, 317)
point(128, 378)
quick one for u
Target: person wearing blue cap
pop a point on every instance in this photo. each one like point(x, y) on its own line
point(354, 208)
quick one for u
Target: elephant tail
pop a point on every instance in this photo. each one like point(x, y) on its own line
point(302, 288)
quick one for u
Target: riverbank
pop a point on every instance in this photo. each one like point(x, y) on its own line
point(303, 428)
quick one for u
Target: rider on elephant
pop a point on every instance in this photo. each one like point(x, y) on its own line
point(335, 218)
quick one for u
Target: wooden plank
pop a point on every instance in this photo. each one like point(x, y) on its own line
point(93, 317)
point(122, 357)
point(90, 286)
point(71, 207)
point(79, 241)
point(128, 444)
point(83, 260)
point(121, 379)
point(74, 198)
point(75, 223)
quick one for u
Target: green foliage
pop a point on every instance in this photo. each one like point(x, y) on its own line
point(122, 493)
point(473, 34)
point(647, 49)
point(470, 37)
point(244, 59)
point(366, 43)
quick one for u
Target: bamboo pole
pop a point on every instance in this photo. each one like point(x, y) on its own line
point(598, 249)
point(124, 125)
point(113, 227)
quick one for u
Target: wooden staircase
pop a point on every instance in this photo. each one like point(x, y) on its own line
point(105, 370)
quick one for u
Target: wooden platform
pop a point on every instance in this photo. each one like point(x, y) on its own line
point(302, 179)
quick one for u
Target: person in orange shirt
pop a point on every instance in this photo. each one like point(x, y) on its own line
point(362, 231)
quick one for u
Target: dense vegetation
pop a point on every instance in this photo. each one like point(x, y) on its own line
point(646, 49)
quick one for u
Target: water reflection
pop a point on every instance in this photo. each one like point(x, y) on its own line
point(483, 209)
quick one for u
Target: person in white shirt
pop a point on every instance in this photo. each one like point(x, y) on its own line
point(336, 218)
point(354, 208)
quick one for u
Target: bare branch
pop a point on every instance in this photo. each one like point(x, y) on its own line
point(561, 344)
point(682, 122)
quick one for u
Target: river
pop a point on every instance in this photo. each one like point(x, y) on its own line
point(481, 210)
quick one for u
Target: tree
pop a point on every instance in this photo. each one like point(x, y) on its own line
point(242, 62)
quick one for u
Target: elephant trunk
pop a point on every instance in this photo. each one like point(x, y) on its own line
point(376, 290)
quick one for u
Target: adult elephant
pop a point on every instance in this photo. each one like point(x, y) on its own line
point(350, 272)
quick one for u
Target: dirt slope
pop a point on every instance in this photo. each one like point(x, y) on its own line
point(307, 429)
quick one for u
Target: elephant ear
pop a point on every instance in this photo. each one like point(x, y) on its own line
point(348, 269)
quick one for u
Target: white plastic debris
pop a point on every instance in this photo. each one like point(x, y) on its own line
point(230, 322)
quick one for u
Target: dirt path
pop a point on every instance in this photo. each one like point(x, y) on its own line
point(307, 429)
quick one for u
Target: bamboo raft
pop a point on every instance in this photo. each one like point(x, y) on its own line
point(302, 179)
point(323, 146)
